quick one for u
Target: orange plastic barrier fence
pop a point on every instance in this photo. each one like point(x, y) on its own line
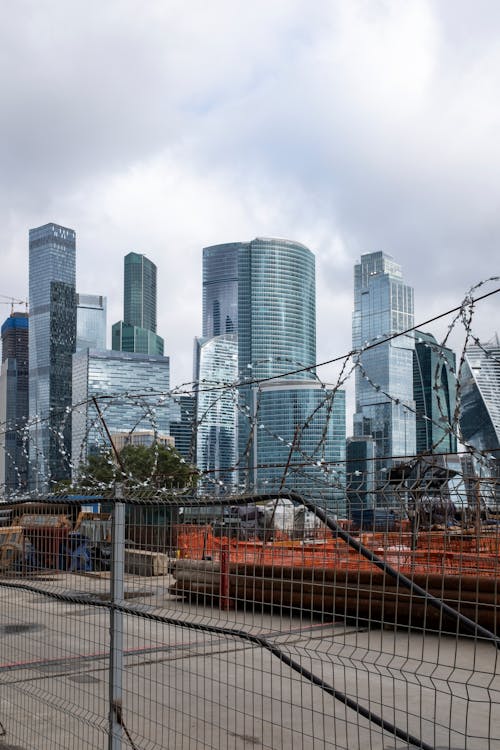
point(436, 552)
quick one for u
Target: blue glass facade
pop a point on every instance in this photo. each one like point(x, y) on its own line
point(183, 426)
point(52, 341)
point(216, 411)
point(126, 380)
point(480, 398)
point(435, 393)
point(302, 424)
point(385, 409)
point(14, 405)
point(90, 321)
point(276, 308)
point(264, 291)
point(220, 289)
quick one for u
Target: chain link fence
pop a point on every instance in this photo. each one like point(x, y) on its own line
point(249, 621)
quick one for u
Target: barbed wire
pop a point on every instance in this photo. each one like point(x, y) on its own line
point(369, 344)
point(149, 401)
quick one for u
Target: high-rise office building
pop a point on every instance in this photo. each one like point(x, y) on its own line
point(360, 475)
point(14, 405)
point(215, 366)
point(183, 426)
point(139, 292)
point(276, 309)
point(137, 331)
point(435, 394)
point(132, 385)
point(90, 321)
point(263, 293)
point(385, 409)
point(128, 338)
point(480, 402)
point(220, 289)
point(216, 449)
point(52, 341)
point(298, 440)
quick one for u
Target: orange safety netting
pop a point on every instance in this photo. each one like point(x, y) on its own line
point(435, 552)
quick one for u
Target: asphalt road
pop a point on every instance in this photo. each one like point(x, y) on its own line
point(186, 689)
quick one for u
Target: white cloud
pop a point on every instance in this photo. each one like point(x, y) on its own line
point(164, 127)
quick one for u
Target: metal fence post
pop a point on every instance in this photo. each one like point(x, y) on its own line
point(116, 622)
point(225, 602)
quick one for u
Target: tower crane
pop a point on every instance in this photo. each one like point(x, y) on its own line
point(8, 300)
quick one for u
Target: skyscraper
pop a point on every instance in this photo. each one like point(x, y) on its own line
point(265, 291)
point(360, 481)
point(434, 388)
point(14, 405)
point(298, 440)
point(182, 426)
point(139, 292)
point(90, 321)
point(215, 366)
point(220, 289)
point(52, 341)
point(385, 409)
point(133, 385)
point(137, 331)
point(276, 308)
point(216, 448)
point(262, 293)
point(480, 399)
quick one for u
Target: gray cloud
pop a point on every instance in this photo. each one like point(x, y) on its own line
point(164, 127)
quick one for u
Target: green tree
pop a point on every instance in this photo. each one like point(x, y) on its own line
point(98, 470)
point(158, 466)
point(154, 467)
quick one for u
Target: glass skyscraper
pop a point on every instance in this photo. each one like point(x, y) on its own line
point(128, 338)
point(216, 366)
point(90, 321)
point(385, 408)
point(360, 474)
point(216, 450)
point(265, 291)
point(276, 308)
point(137, 331)
point(14, 405)
point(139, 292)
point(52, 341)
point(220, 288)
point(480, 397)
point(435, 394)
point(130, 387)
point(262, 293)
point(298, 440)
point(183, 426)
point(480, 410)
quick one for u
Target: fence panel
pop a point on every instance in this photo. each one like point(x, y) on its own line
point(213, 628)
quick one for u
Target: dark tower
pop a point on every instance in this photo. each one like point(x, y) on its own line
point(14, 404)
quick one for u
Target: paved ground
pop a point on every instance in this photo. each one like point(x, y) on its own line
point(186, 689)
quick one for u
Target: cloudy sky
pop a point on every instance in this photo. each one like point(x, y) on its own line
point(162, 126)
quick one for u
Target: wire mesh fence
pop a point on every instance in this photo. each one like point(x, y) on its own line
point(250, 621)
point(248, 580)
